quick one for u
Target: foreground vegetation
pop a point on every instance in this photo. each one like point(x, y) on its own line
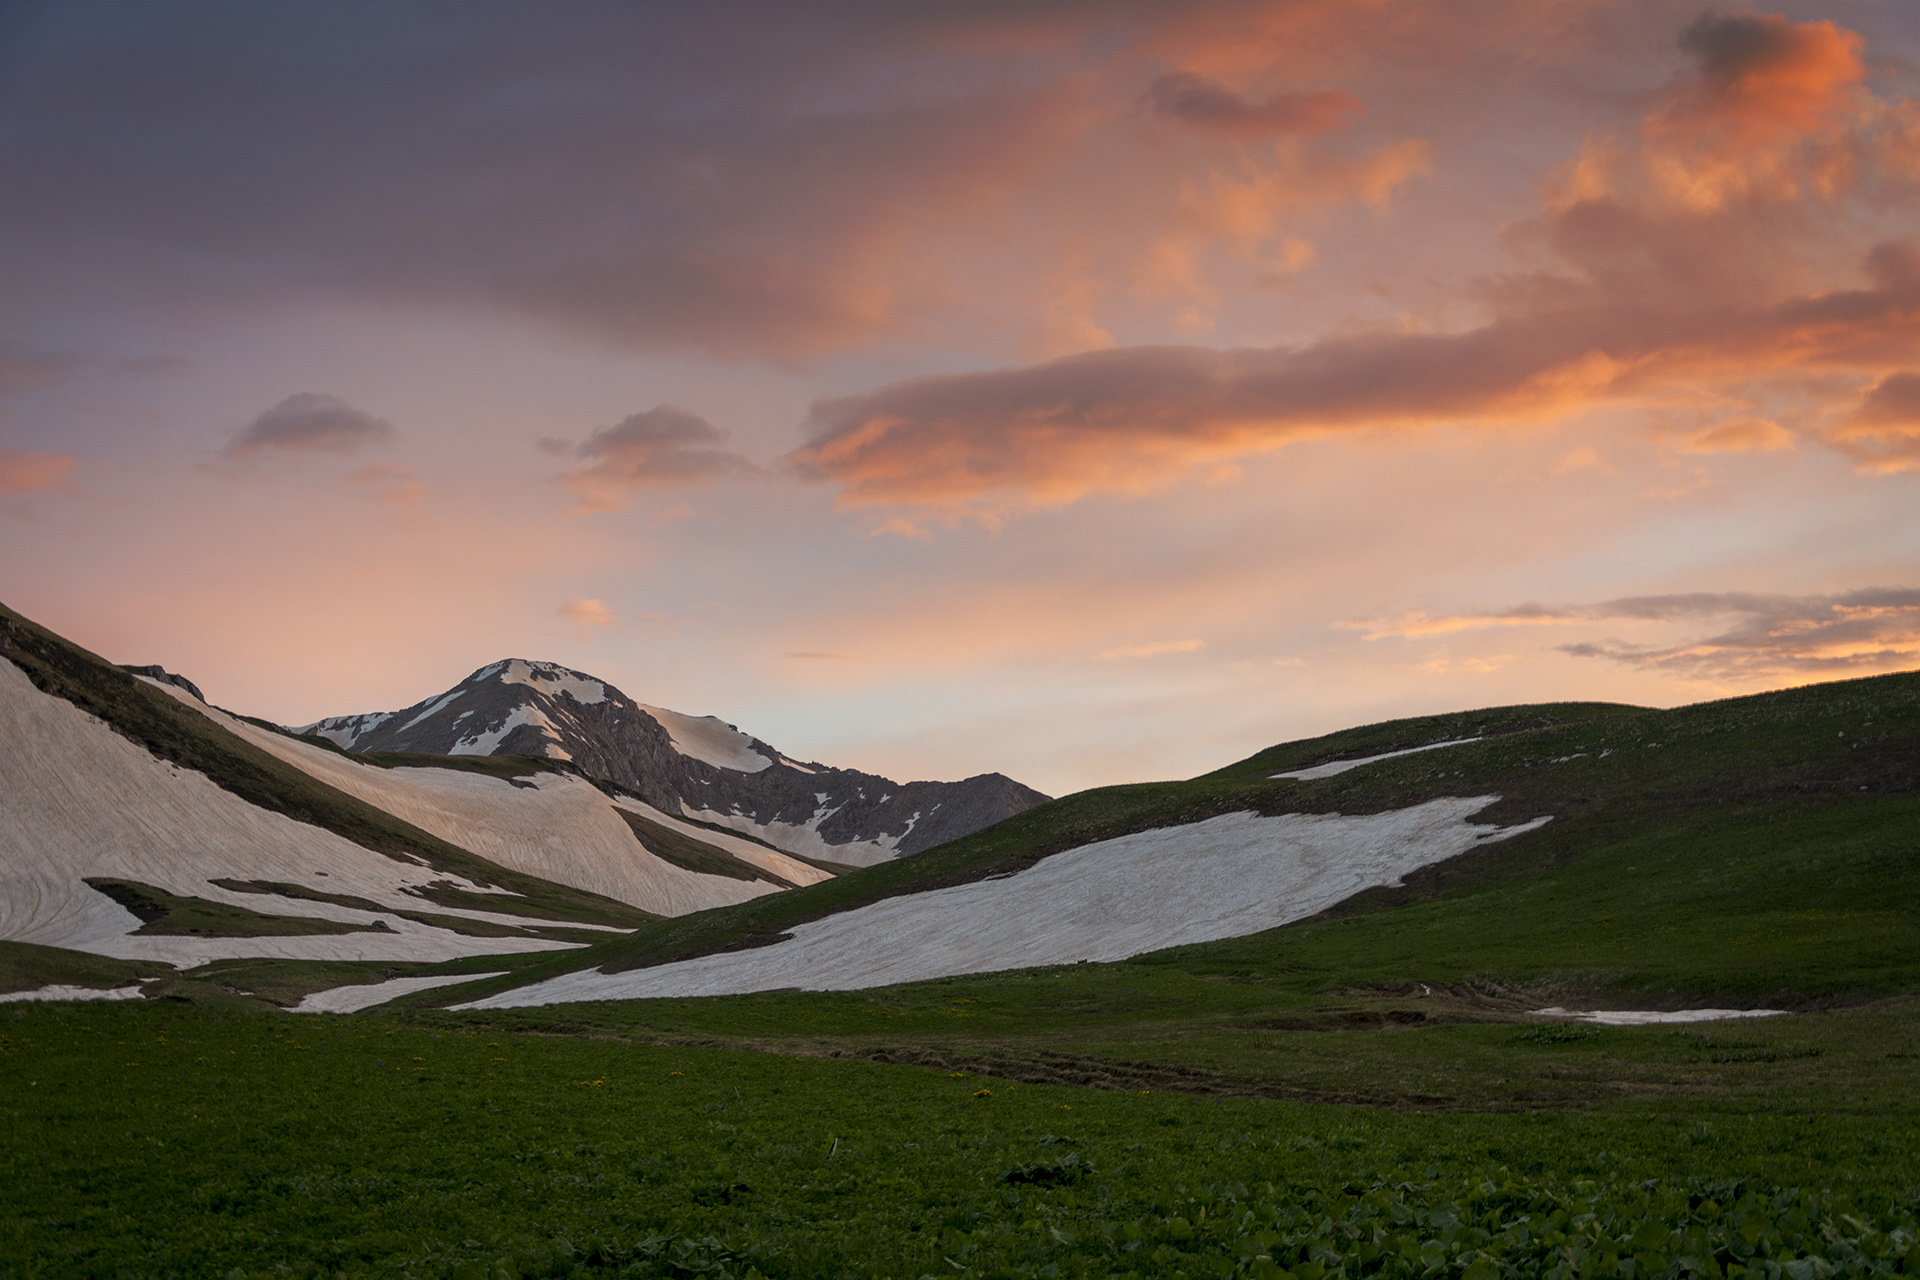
point(157, 1140)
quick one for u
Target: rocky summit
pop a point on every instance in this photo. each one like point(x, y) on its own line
point(699, 766)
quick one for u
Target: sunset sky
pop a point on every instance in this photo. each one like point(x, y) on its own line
point(1092, 392)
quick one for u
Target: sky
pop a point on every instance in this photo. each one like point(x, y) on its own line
point(1090, 391)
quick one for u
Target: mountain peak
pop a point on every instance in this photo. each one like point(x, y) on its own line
point(697, 766)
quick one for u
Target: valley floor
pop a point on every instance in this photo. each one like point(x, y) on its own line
point(150, 1139)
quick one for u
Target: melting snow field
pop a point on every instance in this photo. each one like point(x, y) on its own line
point(1653, 1017)
point(1226, 877)
point(57, 992)
point(709, 739)
point(80, 800)
point(803, 838)
point(365, 995)
point(560, 827)
point(1319, 771)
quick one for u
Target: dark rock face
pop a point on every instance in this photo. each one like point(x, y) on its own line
point(167, 677)
point(685, 765)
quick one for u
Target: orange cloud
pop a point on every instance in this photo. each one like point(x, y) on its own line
point(587, 612)
point(1154, 649)
point(393, 486)
point(1737, 435)
point(1653, 299)
point(1883, 434)
point(25, 471)
point(1770, 636)
point(1132, 420)
point(1776, 109)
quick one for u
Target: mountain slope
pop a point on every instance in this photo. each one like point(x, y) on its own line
point(140, 823)
point(699, 767)
point(1620, 785)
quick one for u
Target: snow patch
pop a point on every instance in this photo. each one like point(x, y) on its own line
point(352, 999)
point(803, 838)
point(484, 742)
point(1341, 766)
point(709, 739)
point(1654, 1017)
point(83, 801)
point(562, 828)
point(1227, 877)
point(345, 731)
point(58, 992)
point(552, 679)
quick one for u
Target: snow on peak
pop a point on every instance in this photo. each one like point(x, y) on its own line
point(548, 677)
point(484, 742)
point(709, 739)
point(344, 731)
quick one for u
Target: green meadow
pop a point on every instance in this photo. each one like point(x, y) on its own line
point(179, 1140)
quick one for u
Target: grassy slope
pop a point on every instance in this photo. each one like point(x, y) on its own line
point(1757, 787)
point(175, 733)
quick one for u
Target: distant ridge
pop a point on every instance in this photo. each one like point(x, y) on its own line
point(698, 766)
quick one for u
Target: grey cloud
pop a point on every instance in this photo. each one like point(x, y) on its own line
point(1730, 46)
point(663, 448)
point(307, 423)
point(1208, 107)
point(1771, 635)
point(649, 175)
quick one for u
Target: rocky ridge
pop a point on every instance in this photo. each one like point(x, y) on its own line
point(698, 766)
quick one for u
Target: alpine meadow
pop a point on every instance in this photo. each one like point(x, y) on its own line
point(995, 639)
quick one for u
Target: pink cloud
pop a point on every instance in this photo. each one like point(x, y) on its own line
point(587, 612)
point(26, 471)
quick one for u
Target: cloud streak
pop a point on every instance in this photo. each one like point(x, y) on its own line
point(1766, 636)
point(1209, 107)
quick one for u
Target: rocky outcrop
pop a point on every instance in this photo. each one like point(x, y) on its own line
point(165, 676)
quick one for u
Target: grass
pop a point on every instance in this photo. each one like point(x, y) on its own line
point(689, 854)
point(156, 1140)
point(171, 915)
point(25, 966)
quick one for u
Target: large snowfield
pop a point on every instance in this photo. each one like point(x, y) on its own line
point(1226, 877)
point(553, 825)
point(81, 801)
